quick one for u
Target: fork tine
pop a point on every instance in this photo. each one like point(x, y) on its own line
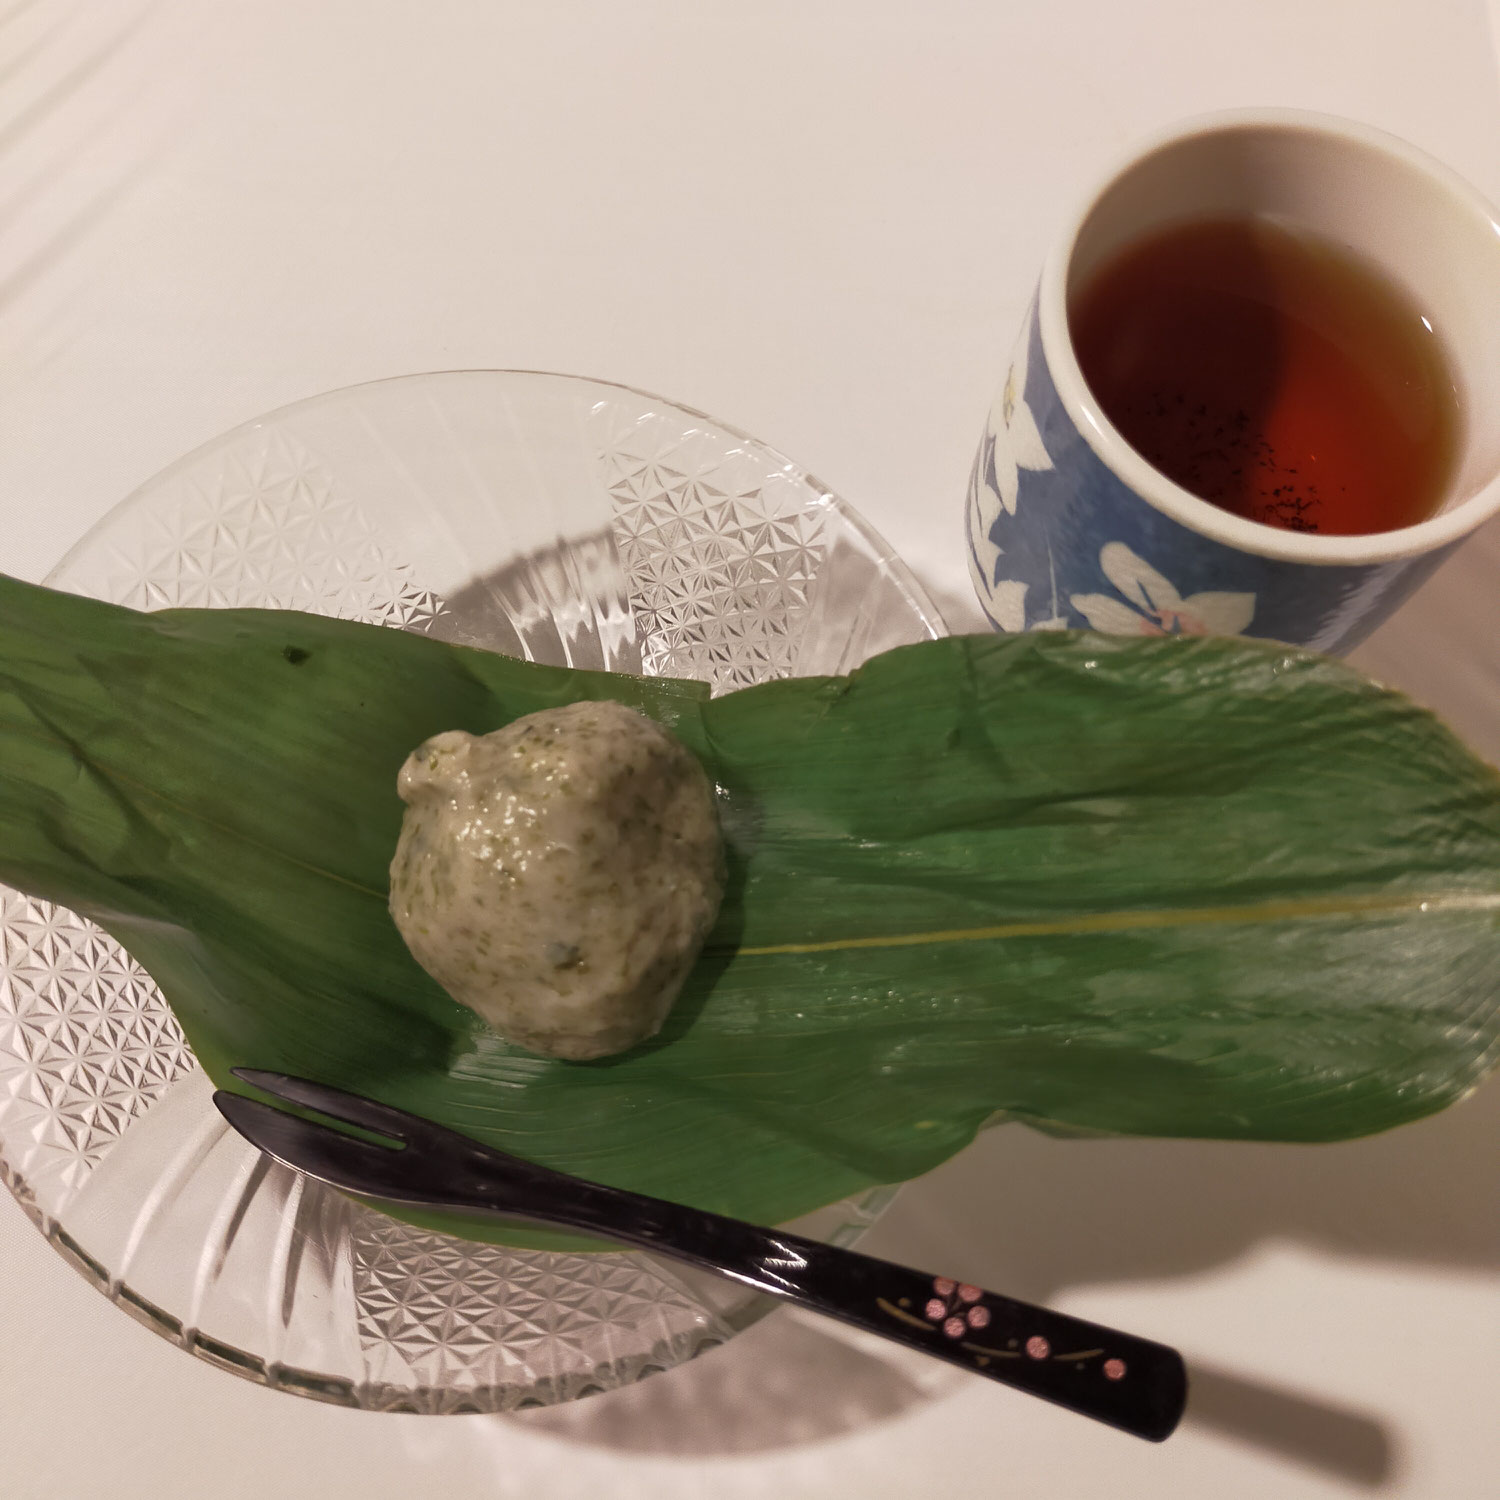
point(319, 1150)
point(352, 1109)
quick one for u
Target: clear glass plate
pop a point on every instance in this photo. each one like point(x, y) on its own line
point(566, 520)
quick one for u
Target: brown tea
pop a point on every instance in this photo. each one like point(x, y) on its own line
point(1272, 373)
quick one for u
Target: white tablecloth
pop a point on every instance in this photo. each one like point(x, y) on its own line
point(819, 220)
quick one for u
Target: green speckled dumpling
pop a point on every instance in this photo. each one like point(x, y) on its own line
point(559, 876)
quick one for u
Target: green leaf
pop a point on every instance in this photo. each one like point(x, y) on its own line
point(1167, 886)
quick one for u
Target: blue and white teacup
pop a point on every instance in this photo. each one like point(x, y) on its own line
point(1069, 527)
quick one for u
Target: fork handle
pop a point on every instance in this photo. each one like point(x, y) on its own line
point(1130, 1383)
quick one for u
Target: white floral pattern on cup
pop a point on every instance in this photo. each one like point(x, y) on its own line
point(1008, 608)
point(1154, 606)
point(1014, 443)
point(1017, 440)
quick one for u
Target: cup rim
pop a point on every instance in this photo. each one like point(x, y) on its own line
point(1110, 447)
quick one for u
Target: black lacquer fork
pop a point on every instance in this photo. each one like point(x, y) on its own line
point(1130, 1383)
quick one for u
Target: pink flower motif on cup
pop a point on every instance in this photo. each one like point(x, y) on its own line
point(936, 1309)
point(942, 1286)
point(954, 1328)
point(1153, 606)
point(967, 1293)
point(1038, 1347)
point(1114, 1369)
point(979, 1317)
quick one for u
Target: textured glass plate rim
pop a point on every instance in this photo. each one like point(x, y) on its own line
point(333, 1390)
point(898, 571)
point(321, 1386)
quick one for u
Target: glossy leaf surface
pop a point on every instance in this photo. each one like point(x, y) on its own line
point(1158, 886)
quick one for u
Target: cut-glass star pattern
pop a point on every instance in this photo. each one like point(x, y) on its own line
point(721, 547)
point(86, 1044)
point(261, 526)
point(452, 1325)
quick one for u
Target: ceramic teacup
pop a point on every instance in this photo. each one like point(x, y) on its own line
point(1069, 527)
